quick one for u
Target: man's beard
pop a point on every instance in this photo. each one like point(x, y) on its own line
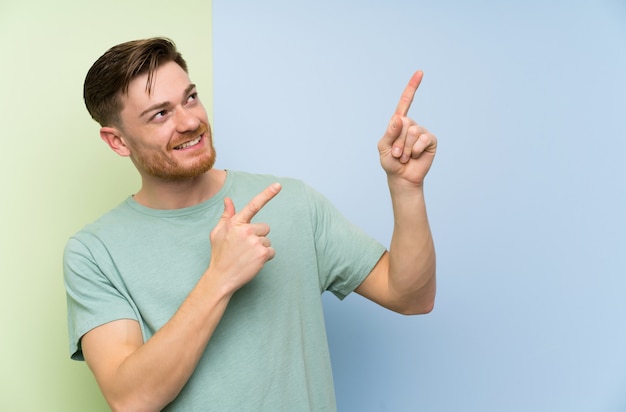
point(166, 168)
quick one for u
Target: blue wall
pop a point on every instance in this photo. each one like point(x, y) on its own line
point(527, 197)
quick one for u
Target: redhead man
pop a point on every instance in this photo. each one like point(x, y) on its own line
point(202, 291)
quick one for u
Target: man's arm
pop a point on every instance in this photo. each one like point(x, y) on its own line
point(404, 278)
point(139, 376)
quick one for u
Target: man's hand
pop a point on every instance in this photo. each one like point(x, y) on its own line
point(241, 248)
point(407, 149)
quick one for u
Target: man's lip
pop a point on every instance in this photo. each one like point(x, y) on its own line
point(202, 136)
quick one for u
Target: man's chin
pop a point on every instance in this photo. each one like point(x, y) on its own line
point(181, 174)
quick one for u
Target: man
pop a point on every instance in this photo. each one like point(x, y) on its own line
point(181, 298)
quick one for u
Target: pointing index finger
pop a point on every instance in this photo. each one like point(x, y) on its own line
point(409, 92)
point(257, 203)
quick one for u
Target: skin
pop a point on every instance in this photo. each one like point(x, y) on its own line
point(404, 278)
point(152, 125)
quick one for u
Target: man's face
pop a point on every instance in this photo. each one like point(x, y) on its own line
point(167, 131)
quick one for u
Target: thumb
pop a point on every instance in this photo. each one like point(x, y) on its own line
point(393, 132)
point(229, 209)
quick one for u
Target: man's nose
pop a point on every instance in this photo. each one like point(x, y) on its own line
point(186, 120)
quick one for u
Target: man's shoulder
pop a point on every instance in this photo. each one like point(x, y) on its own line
point(240, 177)
point(115, 219)
point(253, 183)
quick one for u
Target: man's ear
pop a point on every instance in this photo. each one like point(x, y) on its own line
point(114, 139)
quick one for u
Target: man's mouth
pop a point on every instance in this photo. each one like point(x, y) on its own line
point(189, 143)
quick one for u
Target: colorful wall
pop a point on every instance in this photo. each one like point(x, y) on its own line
point(526, 197)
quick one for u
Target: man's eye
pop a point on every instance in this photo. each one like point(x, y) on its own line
point(159, 115)
point(192, 97)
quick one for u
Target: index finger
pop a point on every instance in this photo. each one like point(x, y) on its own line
point(257, 203)
point(407, 95)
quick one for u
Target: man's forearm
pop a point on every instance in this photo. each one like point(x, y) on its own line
point(153, 374)
point(412, 252)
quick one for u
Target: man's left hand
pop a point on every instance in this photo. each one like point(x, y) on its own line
point(407, 149)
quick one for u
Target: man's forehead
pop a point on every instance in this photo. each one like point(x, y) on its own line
point(167, 77)
point(168, 82)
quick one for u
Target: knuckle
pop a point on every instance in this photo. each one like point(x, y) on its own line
point(253, 206)
point(247, 230)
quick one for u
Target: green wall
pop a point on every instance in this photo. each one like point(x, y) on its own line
point(57, 175)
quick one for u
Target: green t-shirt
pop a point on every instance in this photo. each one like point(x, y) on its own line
point(269, 351)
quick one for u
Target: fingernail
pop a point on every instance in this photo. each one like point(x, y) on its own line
point(396, 152)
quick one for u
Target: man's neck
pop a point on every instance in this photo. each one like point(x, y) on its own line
point(157, 194)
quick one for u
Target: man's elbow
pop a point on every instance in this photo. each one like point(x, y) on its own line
point(422, 300)
point(422, 307)
point(137, 403)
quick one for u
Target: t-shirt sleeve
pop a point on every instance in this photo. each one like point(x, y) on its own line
point(345, 253)
point(92, 297)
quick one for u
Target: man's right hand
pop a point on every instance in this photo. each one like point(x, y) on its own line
point(241, 248)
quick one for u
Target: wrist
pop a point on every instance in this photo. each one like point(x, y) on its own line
point(398, 185)
point(216, 286)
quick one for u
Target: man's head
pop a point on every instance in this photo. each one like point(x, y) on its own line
point(108, 79)
point(149, 110)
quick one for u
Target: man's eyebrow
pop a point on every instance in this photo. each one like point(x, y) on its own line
point(189, 89)
point(165, 105)
point(157, 106)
